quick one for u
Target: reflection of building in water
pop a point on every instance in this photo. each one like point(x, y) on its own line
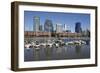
point(59, 53)
point(65, 49)
point(36, 54)
point(59, 50)
point(78, 49)
point(48, 53)
point(28, 54)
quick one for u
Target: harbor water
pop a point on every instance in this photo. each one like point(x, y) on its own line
point(58, 53)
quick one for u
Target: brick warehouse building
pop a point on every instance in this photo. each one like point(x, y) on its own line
point(52, 34)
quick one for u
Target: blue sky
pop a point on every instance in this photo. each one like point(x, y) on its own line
point(57, 17)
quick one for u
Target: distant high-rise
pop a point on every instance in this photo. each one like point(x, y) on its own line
point(40, 28)
point(78, 28)
point(65, 27)
point(59, 28)
point(36, 24)
point(48, 26)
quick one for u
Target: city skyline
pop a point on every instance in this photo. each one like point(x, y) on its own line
point(57, 17)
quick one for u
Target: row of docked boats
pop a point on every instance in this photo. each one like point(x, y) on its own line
point(53, 43)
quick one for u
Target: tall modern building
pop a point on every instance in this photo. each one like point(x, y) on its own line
point(36, 25)
point(48, 26)
point(78, 28)
point(59, 28)
point(65, 27)
point(40, 28)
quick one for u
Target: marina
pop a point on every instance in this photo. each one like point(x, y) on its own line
point(56, 49)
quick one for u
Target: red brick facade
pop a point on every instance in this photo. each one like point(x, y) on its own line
point(52, 34)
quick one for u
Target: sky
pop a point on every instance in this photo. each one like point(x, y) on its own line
point(57, 18)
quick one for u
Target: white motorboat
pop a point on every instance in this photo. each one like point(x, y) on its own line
point(49, 43)
point(27, 46)
point(78, 42)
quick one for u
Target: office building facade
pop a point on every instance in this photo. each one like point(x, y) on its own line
point(59, 28)
point(78, 28)
point(36, 25)
point(48, 26)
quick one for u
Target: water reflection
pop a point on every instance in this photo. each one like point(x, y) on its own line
point(36, 54)
point(78, 49)
point(48, 52)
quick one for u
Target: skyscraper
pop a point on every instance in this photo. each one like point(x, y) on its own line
point(48, 26)
point(59, 28)
point(36, 24)
point(64, 27)
point(78, 28)
point(40, 28)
